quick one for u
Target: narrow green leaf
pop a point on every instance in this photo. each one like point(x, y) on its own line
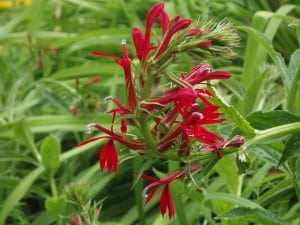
point(297, 171)
point(23, 134)
point(55, 206)
point(293, 83)
point(258, 215)
point(50, 152)
point(18, 193)
point(233, 199)
point(276, 57)
point(291, 148)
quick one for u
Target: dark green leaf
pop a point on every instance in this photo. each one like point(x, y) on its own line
point(291, 148)
point(297, 172)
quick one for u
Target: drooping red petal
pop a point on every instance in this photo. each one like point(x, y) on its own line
point(151, 194)
point(108, 157)
point(166, 202)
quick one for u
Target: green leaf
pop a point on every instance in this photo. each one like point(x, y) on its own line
point(233, 199)
point(258, 215)
point(297, 172)
point(55, 206)
point(50, 152)
point(232, 114)
point(228, 172)
point(265, 120)
point(293, 83)
point(276, 57)
point(291, 148)
point(24, 135)
point(18, 193)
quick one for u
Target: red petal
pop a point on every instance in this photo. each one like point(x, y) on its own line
point(108, 157)
point(139, 40)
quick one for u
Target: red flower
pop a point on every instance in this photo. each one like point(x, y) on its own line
point(121, 110)
point(202, 72)
point(237, 141)
point(108, 157)
point(166, 202)
point(75, 220)
point(124, 62)
point(132, 144)
point(176, 25)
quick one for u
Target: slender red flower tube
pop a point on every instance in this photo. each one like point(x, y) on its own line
point(166, 202)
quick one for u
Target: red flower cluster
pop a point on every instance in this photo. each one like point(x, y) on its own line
point(170, 116)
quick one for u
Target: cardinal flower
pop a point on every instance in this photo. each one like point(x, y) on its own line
point(166, 201)
point(108, 157)
point(125, 63)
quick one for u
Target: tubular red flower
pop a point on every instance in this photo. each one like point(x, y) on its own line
point(205, 44)
point(164, 21)
point(124, 62)
point(138, 40)
point(194, 31)
point(202, 72)
point(179, 25)
point(108, 157)
point(152, 15)
point(235, 142)
point(166, 202)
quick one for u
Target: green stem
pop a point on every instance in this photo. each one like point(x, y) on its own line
point(53, 185)
point(273, 133)
point(146, 131)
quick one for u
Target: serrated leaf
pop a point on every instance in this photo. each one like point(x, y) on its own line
point(265, 120)
point(259, 214)
point(55, 206)
point(291, 148)
point(232, 114)
point(50, 152)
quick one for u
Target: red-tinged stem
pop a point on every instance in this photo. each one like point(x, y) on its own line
point(129, 143)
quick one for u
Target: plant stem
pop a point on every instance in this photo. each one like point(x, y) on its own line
point(273, 133)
